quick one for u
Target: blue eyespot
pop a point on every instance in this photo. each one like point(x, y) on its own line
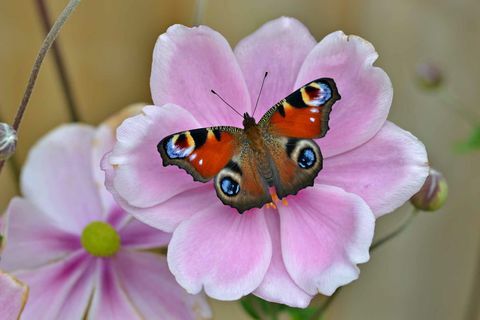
point(229, 186)
point(325, 93)
point(306, 158)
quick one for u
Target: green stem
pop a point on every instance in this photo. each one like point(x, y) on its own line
point(377, 244)
point(457, 108)
point(396, 232)
point(46, 45)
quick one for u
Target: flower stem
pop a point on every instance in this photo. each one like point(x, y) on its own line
point(395, 232)
point(377, 244)
point(47, 43)
point(59, 62)
point(199, 11)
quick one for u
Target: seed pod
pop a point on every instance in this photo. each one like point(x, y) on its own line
point(433, 194)
point(8, 141)
point(429, 76)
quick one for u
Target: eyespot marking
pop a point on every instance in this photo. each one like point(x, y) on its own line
point(306, 158)
point(177, 147)
point(318, 96)
point(229, 186)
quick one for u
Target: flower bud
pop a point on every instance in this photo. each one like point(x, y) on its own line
point(8, 141)
point(429, 76)
point(433, 194)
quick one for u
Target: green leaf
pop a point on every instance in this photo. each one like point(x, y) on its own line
point(247, 304)
point(472, 143)
point(301, 314)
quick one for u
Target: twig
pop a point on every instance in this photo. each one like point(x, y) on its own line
point(47, 43)
point(59, 63)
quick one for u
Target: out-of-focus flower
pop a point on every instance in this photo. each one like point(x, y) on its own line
point(290, 253)
point(8, 141)
point(77, 250)
point(13, 295)
point(429, 76)
point(433, 194)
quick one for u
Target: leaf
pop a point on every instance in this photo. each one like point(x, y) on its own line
point(472, 143)
point(247, 304)
point(301, 314)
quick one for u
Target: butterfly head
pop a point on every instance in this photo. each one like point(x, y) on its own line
point(248, 121)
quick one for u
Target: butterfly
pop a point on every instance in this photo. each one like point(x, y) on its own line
point(278, 151)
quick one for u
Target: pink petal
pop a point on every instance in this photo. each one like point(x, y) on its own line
point(134, 169)
point(33, 238)
point(110, 300)
point(138, 235)
point(386, 171)
point(222, 251)
point(58, 178)
point(366, 90)
point(187, 64)
point(153, 290)
point(325, 232)
point(104, 141)
point(279, 47)
point(278, 286)
point(167, 215)
point(13, 296)
point(61, 290)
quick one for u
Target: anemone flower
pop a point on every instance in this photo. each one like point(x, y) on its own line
point(80, 254)
point(13, 295)
point(281, 253)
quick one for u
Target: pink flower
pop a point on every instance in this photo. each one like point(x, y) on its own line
point(314, 244)
point(80, 253)
point(13, 295)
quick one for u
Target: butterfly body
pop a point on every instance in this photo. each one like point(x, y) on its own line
point(277, 152)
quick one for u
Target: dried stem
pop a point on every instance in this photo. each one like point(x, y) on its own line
point(59, 63)
point(47, 43)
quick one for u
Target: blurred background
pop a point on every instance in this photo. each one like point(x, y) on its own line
point(431, 270)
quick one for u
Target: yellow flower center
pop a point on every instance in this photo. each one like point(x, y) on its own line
point(100, 239)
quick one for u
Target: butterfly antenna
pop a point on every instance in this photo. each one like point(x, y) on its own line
point(258, 98)
point(226, 103)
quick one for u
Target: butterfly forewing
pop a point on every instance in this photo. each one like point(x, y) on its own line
point(304, 113)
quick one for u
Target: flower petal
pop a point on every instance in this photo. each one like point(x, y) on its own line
point(325, 232)
point(221, 250)
point(104, 141)
point(138, 235)
point(109, 300)
point(13, 296)
point(58, 177)
point(386, 171)
point(153, 290)
point(187, 64)
point(60, 290)
point(279, 47)
point(278, 286)
point(33, 238)
point(134, 169)
point(366, 90)
point(167, 215)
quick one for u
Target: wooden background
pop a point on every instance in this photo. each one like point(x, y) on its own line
point(429, 271)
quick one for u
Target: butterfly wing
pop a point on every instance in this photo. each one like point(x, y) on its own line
point(290, 126)
point(304, 113)
point(223, 153)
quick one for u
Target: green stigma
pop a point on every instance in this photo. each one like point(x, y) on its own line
point(100, 239)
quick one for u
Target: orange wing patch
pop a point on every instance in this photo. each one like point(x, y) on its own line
point(305, 112)
point(201, 152)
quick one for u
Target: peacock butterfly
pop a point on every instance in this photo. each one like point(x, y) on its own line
point(278, 151)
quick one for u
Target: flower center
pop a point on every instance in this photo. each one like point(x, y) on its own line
point(100, 239)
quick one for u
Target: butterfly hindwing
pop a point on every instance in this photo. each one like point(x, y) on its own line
point(201, 152)
point(304, 113)
point(240, 184)
point(297, 163)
